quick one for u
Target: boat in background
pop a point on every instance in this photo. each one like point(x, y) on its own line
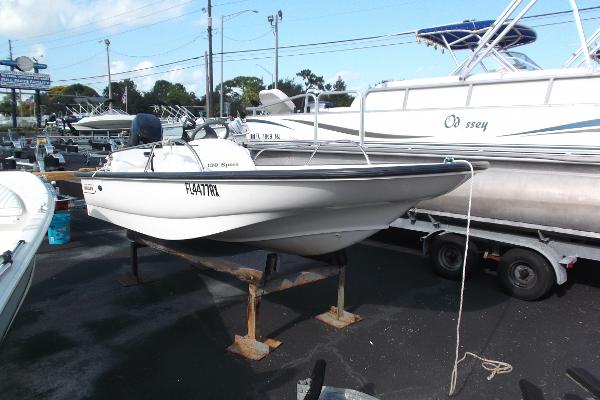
point(26, 209)
point(539, 129)
point(104, 118)
point(535, 209)
point(175, 190)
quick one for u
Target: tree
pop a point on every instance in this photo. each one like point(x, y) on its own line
point(341, 100)
point(58, 97)
point(135, 99)
point(242, 92)
point(311, 80)
point(5, 105)
point(165, 92)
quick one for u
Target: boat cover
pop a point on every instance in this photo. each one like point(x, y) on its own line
point(466, 35)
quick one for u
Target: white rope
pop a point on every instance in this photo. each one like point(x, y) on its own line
point(495, 367)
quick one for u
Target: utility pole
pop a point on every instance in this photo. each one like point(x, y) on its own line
point(274, 21)
point(221, 91)
point(207, 84)
point(37, 110)
point(107, 42)
point(13, 92)
point(210, 60)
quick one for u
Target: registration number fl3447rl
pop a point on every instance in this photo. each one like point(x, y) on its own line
point(202, 189)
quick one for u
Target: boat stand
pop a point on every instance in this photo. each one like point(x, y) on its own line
point(261, 281)
point(133, 278)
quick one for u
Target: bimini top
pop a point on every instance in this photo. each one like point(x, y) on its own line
point(466, 35)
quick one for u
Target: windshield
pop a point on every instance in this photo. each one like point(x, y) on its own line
point(521, 61)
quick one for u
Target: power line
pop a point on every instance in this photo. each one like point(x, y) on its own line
point(552, 14)
point(234, 60)
point(249, 40)
point(112, 25)
point(116, 24)
point(82, 25)
point(133, 70)
point(164, 52)
point(315, 44)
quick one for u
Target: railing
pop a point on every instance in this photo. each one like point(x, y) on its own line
point(317, 147)
point(7, 257)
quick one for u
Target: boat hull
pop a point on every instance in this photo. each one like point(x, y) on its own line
point(26, 209)
point(547, 189)
point(306, 216)
point(15, 300)
point(115, 122)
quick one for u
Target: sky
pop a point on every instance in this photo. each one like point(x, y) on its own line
point(153, 37)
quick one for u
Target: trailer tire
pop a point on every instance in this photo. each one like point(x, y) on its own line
point(526, 274)
point(447, 252)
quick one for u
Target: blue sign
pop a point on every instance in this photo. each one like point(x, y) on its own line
point(24, 80)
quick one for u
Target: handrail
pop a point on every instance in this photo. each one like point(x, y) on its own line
point(317, 148)
point(7, 256)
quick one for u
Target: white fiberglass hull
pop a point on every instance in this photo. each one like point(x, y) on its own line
point(529, 108)
point(26, 209)
point(110, 122)
point(311, 212)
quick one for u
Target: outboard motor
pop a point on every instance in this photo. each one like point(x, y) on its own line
point(145, 128)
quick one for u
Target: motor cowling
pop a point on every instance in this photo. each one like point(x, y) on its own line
point(145, 128)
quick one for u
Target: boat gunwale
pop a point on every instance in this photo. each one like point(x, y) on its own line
point(313, 173)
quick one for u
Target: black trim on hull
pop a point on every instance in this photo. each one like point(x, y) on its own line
point(321, 174)
point(262, 121)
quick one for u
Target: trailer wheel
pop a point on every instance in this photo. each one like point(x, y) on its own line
point(447, 256)
point(525, 274)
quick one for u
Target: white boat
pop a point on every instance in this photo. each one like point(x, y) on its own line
point(511, 101)
point(26, 209)
point(211, 188)
point(539, 129)
point(109, 119)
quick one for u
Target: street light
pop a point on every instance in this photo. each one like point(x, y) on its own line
point(268, 72)
point(107, 43)
point(231, 16)
point(274, 21)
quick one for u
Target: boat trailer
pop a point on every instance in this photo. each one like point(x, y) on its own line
point(273, 277)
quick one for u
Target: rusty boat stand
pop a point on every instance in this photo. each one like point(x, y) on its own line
point(261, 281)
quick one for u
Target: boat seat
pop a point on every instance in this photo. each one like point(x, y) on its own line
point(277, 102)
point(11, 206)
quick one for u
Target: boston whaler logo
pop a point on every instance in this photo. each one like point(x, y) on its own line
point(453, 121)
point(89, 188)
point(201, 189)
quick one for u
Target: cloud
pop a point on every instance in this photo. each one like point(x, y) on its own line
point(22, 19)
point(203, 21)
point(37, 51)
point(144, 83)
point(348, 76)
point(145, 76)
point(118, 66)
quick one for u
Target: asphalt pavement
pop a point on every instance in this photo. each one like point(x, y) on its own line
point(82, 335)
